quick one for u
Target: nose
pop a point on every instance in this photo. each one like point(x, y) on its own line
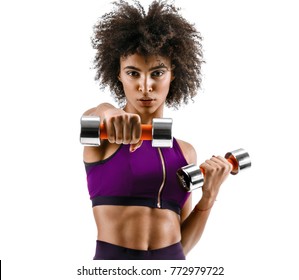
point(145, 85)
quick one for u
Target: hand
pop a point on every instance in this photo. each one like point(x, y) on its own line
point(216, 171)
point(123, 128)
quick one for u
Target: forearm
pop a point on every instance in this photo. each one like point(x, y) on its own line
point(99, 110)
point(193, 227)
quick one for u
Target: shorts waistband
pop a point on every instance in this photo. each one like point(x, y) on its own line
point(105, 250)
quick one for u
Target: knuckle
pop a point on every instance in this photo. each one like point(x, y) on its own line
point(119, 119)
point(228, 168)
point(210, 170)
point(111, 119)
point(134, 119)
point(223, 169)
point(125, 118)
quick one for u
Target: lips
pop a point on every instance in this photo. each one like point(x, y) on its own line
point(146, 101)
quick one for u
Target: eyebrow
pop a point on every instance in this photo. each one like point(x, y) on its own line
point(151, 69)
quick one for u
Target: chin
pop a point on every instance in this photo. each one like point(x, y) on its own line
point(147, 110)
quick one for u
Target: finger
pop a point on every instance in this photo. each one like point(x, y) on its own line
point(206, 167)
point(109, 125)
point(218, 165)
point(222, 162)
point(136, 129)
point(214, 165)
point(134, 147)
point(127, 132)
point(119, 129)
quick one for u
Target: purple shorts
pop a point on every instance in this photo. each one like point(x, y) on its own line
point(107, 251)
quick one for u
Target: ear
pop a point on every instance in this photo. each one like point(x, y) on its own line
point(172, 76)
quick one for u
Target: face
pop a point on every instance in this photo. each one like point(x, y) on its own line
point(146, 82)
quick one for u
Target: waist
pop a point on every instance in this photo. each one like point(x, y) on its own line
point(137, 227)
point(107, 251)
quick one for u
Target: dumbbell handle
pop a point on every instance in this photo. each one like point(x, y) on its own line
point(146, 132)
point(232, 161)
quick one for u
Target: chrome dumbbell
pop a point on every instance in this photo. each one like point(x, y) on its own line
point(160, 131)
point(191, 177)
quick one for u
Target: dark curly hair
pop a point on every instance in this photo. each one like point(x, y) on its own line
point(162, 31)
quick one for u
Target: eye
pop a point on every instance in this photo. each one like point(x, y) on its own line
point(133, 73)
point(157, 73)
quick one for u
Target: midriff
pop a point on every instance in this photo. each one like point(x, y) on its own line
point(137, 227)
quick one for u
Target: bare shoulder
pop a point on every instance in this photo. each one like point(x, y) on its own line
point(188, 151)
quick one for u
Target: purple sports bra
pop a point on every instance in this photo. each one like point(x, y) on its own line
point(146, 177)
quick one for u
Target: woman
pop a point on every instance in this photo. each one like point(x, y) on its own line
point(148, 61)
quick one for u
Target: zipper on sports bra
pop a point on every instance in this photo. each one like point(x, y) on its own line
point(163, 179)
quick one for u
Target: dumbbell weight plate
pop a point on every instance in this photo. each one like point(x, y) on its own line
point(162, 132)
point(190, 177)
point(90, 131)
point(241, 157)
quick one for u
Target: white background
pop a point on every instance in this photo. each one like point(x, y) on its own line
point(249, 100)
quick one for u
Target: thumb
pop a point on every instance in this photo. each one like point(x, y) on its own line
point(134, 147)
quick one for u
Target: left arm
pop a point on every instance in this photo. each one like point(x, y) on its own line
point(194, 222)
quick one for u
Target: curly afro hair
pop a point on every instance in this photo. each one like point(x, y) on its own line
point(127, 30)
